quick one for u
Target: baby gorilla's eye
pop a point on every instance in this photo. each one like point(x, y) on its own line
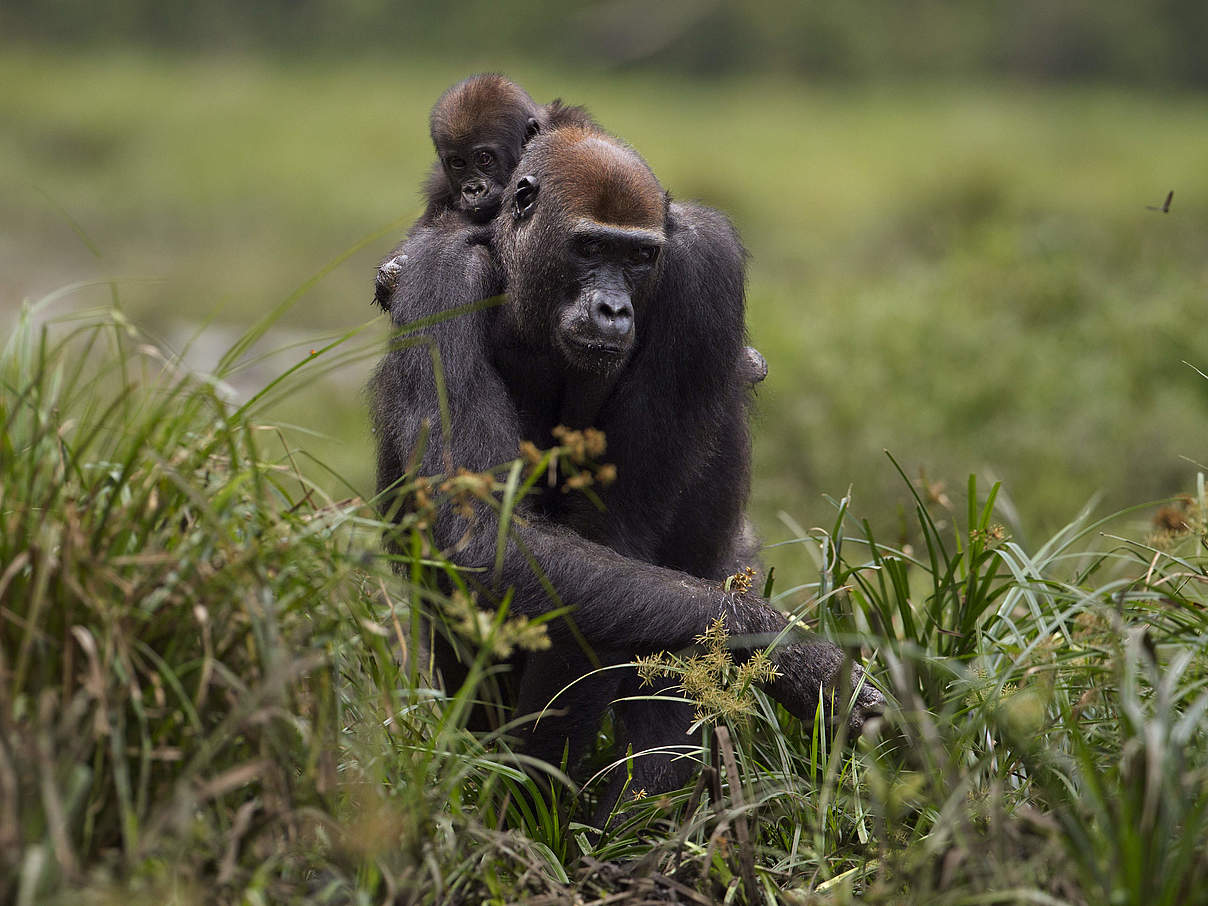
point(644, 254)
point(484, 159)
point(456, 163)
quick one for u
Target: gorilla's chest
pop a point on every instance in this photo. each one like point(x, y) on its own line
point(546, 397)
point(534, 382)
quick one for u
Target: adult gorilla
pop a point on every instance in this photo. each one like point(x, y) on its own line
point(624, 312)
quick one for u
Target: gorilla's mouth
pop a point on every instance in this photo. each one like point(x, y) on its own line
point(482, 210)
point(593, 354)
point(599, 347)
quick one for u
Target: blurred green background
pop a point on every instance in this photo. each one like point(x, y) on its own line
point(945, 206)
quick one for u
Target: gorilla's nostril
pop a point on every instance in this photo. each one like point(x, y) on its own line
point(613, 317)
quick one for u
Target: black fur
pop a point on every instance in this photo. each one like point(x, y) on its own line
point(644, 574)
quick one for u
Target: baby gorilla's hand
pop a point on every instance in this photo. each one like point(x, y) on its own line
point(386, 281)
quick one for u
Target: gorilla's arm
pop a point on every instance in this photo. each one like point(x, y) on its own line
point(677, 425)
point(689, 409)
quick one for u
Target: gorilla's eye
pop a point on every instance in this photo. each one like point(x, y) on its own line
point(588, 247)
point(484, 159)
point(644, 254)
point(456, 163)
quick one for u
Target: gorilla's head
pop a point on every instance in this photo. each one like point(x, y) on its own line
point(580, 238)
point(479, 128)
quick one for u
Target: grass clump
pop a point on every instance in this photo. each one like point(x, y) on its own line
point(1050, 743)
point(171, 599)
point(721, 688)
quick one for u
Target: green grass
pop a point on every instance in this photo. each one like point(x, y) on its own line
point(963, 274)
point(206, 692)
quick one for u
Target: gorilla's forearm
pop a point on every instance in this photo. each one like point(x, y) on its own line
point(620, 603)
point(808, 666)
point(615, 602)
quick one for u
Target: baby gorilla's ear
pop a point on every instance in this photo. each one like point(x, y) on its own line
point(387, 281)
point(533, 127)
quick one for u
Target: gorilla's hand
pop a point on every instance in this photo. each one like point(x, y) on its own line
point(387, 279)
point(810, 668)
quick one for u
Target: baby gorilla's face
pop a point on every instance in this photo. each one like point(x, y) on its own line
point(477, 172)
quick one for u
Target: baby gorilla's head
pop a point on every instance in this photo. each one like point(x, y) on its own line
point(479, 128)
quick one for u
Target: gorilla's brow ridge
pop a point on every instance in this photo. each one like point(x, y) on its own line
point(639, 233)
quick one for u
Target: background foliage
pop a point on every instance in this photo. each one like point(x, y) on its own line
point(1159, 41)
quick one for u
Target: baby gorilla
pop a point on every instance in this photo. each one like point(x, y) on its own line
point(479, 128)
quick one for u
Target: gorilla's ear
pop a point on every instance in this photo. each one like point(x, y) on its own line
point(533, 127)
point(526, 197)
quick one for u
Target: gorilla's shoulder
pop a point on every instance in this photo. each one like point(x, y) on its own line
point(705, 247)
point(697, 218)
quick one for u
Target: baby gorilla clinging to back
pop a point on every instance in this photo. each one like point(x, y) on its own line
point(479, 127)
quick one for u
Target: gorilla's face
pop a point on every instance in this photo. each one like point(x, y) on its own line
point(581, 246)
point(477, 172)
point(608, 267)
